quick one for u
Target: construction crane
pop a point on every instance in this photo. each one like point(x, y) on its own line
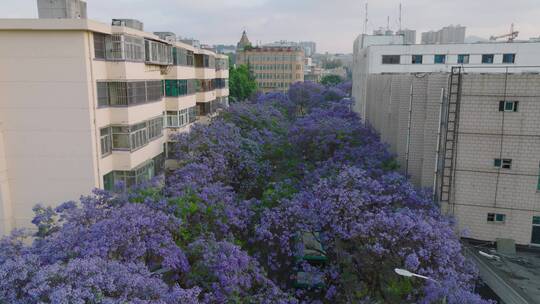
point(511, 36)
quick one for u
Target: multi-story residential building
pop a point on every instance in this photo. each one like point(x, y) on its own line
point(85, 105)
point(409, 36)
point(469, 133)
point(310, 47)
point(275, 67)
point(448, 34)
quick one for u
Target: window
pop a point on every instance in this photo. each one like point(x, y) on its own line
point(128, 93)
point(120, 137)
point(487, 58)
point(138, 136)
point(108, 181)
point(496, 218)
point(508, 106)
point(144, 172)
point(99, 46)
point(158, 53)
point(391, 59)
point(133, 48)
point(535, 236)
point(463, 59)
point(154, 90)
point(114, 47)
point(509, 58)
point(538, 183)
point(417, 59)
point(504, 163)
point(171, 119)
point(102, 94)
point(440, 59)
point(155, 127)
point(182, 57)
point(179, 87)
point(105, 141)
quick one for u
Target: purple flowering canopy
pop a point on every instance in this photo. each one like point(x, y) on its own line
point(287, 198)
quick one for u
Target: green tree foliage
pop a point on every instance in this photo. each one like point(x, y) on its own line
point(242, 84)
point(331, 80)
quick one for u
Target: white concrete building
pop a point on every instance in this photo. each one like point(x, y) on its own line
point(483, 163)
point(85, 104)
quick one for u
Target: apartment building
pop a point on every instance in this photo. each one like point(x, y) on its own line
point(86, 105)
point(462, 120)
point(448, 34)
point(275, 68)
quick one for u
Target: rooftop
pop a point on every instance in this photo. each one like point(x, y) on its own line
point(515, 278)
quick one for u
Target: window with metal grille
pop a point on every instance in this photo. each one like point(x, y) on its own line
point(99, 46)
point(136, 92)
point(118, 93)
point(102, 94)
point(508, 106)
point(115, 47)
point(154, 90)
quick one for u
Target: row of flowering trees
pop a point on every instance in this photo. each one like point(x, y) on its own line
point(287, 198)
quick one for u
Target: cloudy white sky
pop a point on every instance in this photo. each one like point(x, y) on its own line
point(333, 24)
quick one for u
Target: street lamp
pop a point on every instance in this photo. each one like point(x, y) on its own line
point(408, 274)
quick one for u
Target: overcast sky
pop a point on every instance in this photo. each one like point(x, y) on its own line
point(333, 24)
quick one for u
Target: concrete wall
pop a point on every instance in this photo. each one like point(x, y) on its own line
point(485, 134)
point(44, 109)
point(387, 110)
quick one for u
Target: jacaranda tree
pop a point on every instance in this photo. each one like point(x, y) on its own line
point(284, 198)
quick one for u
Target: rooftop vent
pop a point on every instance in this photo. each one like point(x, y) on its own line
point(61, 9)
point(131, 23)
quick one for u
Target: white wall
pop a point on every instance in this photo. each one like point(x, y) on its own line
point(44, 107)
point(526, 55)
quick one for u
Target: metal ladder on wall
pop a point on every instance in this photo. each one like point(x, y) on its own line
point(449, 141)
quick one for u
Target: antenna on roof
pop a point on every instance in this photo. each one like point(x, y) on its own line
point(388, 23)
point(366, 19)
point(400, 13)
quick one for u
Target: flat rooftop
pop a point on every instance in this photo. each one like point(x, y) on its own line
point(515, 278)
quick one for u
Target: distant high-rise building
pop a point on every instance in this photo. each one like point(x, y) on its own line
point(310, 48)
point(409, 36)
point(61, 9)
point(448, 34)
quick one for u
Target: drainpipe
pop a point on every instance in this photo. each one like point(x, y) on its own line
point(409, 132)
